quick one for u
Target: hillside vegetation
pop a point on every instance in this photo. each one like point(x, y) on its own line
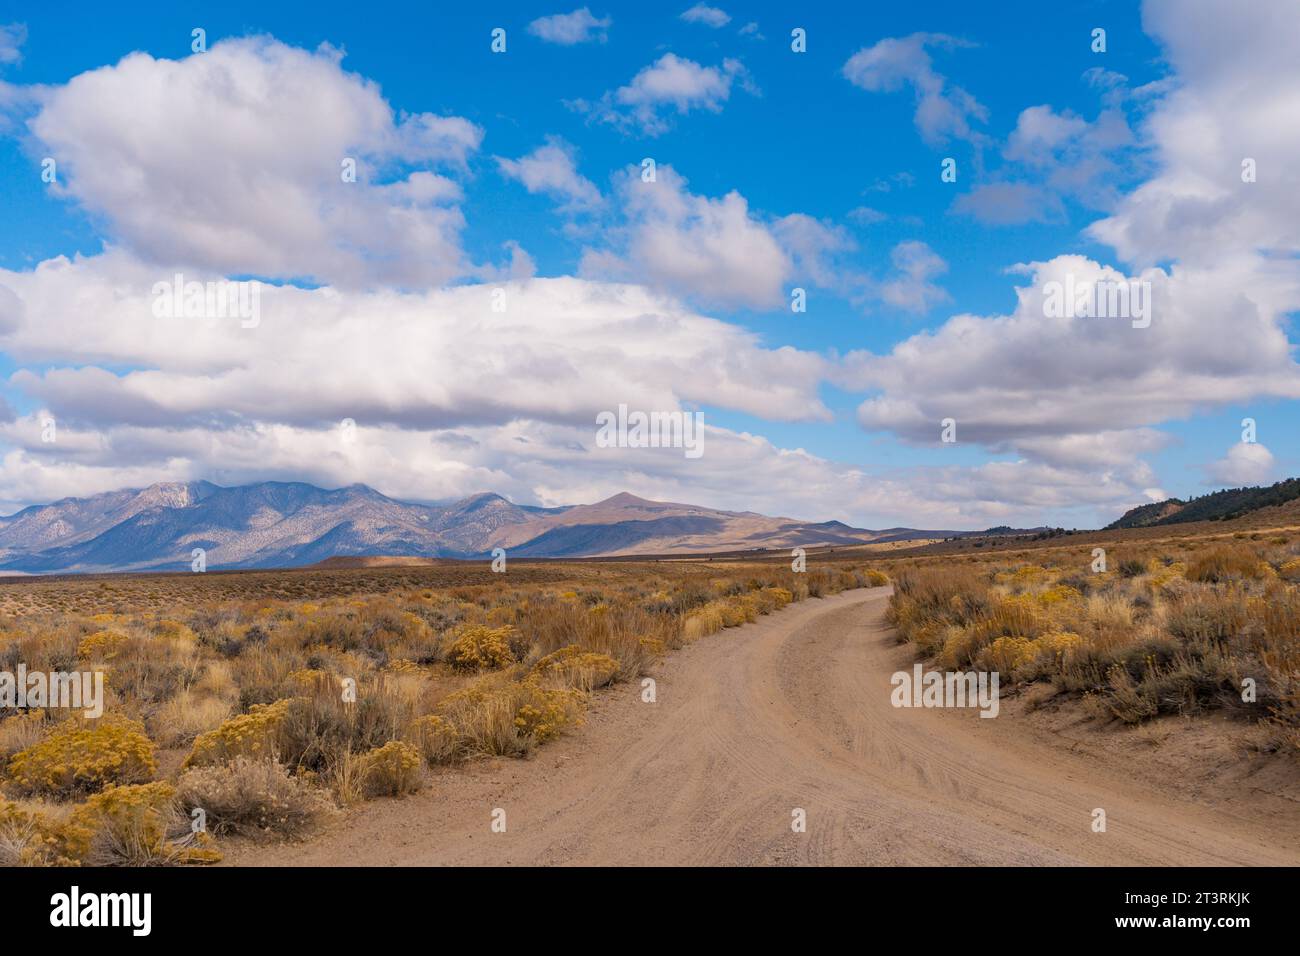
point(1217, 506)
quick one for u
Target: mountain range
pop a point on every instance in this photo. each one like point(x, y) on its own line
point(290, 524)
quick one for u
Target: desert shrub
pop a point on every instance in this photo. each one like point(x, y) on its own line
point(780, 596)
point(84, 756)
point(846, 580)
point(254, 734)
point(542, 713)
point(1141, 657)
point(1131, 567)
point(1124, 699)
point(509, 718)
point(29, 838)
point(573, 667)
point(1182, 683)
point(1207, 616)
point(482, 717)
point(320, 730)
point(1023, 577)
point(1284, 722)
point(702, 622)
point(50, 646)
point(305, 679)
point(953, 646)
point(1055, 647)
point(1163, 637)
point(1276, 625)
point(436, 739)
point(690, 595)
point(101, 646)
point(390, 770)
point(149, 670)
point(339, 628)
point(629, 634)
point(1006, 655)
point(926, 599)
point(1058, 594)
point(134, 825)
point(503, 615)
point(734, 612)
point(1194, 682)
point(216, 680)
point(1019, 616)
point(265, 674)
point(482, 648)
point(173, 630)
point(252, 797)
point(1109, 622)
point(1078, 582)
point(877, 579)
point(21, 731)
point(1225, 562)
point(187, 715)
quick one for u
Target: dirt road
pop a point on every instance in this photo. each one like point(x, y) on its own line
point(794, 712)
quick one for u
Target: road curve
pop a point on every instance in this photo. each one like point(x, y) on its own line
point(792, 712)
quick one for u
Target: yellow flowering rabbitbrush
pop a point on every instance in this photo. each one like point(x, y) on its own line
point(574, 667)
point(248, 735)
point(29, 838)
point(482, 648)
point(101, 645)
point(134, 825)
point(390, 770)
point(85, 756)
point(543, 713)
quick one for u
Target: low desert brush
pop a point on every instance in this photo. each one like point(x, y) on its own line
point(135, 825)
point(187, 715)
point(252, 797)
point(30, 837)
point(509, 717)
point(21, 731)
point(482, 648)
point(322, 729)
point(573, 667)
point(1163, 637)
point(82, 756)
point(284, 689)
point(1225, 562)
point(254, 734)
point(390, 771)
point(437, 739)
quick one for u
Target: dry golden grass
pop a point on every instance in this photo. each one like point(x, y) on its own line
point(268, 697)
point(1180, 628)
point(187, 715)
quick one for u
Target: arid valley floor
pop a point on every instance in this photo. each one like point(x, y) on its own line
point(676, 711)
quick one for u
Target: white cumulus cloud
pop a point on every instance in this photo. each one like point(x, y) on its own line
point(1246, 463)
point(711, 250)
point(552, 169)
point(233, 160)
point(672, 84)
point(568, 29)
point(707, 15)
point(943, 109)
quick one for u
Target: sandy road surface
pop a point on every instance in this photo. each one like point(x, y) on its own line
point(794, 711)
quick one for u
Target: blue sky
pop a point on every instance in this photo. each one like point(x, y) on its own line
point(832, 158)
